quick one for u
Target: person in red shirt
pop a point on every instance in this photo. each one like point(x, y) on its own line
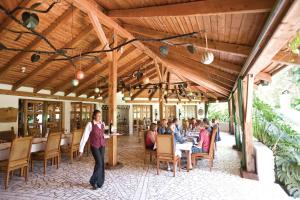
point(204, 143)
point(151, 136)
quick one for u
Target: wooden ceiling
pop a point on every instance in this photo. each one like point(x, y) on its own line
point(232, 27)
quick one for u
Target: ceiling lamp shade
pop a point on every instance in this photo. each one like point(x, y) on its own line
point(165, 92)
point(30, 20)
point(75, 82)
point(163, 50)
point(146, 80)
point(96, 90)
point(207, 57)
point(80, 75)
point(35, 58)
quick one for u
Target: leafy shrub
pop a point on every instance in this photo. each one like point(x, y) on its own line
point(271, 129)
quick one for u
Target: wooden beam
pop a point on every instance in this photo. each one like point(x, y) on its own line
point(112, 84)
point(152, 94)
point(287, 58)
point(285, 31)
point(158, 70)
point(100, 32)
point(34, 43)
point(194, 75)
point(46, 96)
point(53, 77)
point(263, 76)
point(139, 92)
point(216, 46)
point(198, 8)
point(193, 60)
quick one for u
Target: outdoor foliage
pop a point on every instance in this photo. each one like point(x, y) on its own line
point(273, 131)
point(218, 111)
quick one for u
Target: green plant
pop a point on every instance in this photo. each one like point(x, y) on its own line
point(273, 131)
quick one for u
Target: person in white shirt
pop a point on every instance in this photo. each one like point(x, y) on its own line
point(94, 131)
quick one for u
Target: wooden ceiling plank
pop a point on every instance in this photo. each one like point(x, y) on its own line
point(213, 7)
point(17, 58)
point(217, 46)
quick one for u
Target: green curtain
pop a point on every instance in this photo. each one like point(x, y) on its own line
point(241, 113)
point(236, 129)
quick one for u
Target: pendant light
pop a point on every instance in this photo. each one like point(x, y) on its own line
point(75, 82)
point(207, 56)
point(80, 74)
point(146, 80)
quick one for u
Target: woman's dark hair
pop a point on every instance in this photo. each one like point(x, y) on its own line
point(95, 113)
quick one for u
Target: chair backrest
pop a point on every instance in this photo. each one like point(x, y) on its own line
point(53, 142)
point(20, 150)
point(212, 143)
point(8, 135)
point(165, 146)
point(76, 137)
point(34, 132)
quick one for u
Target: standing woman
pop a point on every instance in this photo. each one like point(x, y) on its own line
point(94, 131)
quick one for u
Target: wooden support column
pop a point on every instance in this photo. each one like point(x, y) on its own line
point(206, 104)
point(248, 129)
point(161, 104)
point(112, 104)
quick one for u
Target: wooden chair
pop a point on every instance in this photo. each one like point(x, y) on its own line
point(73, 149)
point(151, 152)
point(7, 136)
point(52, 151)
point(165, 149)
point(18, 158)
point(211, 153)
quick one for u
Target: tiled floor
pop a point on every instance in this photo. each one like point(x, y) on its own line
point(138, 181)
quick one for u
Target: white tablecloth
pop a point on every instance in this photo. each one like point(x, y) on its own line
point(38, 144)
point(187, 146)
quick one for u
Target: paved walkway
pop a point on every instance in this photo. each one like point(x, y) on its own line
point(138, 181)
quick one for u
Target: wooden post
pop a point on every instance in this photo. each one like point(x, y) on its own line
point(206, 104)
point(161, 104)
point(248, 129)
point(112, 104)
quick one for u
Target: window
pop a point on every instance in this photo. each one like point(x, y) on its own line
point(141, 112)
point(188, 111)
point(170, 112)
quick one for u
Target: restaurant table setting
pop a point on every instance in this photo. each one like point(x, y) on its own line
point(38, 144)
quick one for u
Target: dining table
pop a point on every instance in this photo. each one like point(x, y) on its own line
point(187, 148)
point(38, 144)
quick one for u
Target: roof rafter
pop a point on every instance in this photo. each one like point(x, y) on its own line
point(212, 7)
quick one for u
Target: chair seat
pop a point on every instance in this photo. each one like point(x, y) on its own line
point(41, 155)
point(3, 165)
point(168, 158)
point(15, 164)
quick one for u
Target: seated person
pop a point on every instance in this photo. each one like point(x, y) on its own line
point(177, 137)
point(151, 136)
point(204, 143)
point(192, 124)
point(163, 127)
point(215, 124)
point(207, 125)
point(177, 125)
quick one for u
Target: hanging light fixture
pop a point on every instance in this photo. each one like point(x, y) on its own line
point(165, 92)
point(23, 69)
point(75, 82)
point(146, 80)
point(163, 50)
point(79, 73)
point(97, 90)
point(30, 20)
point(207, 56)
point(35, 58)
